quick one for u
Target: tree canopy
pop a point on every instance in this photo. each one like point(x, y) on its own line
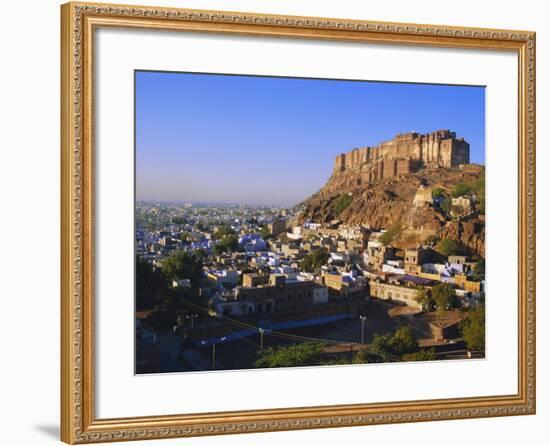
point(183, 265)
point(393, 347)
point(313, 261)
point(421, 355)
point(224, 230)
point(151, 285)
point(179, 220)
point(265, 232)
point(437, 192)
point(473, 329)
point(460, 189)
point(444, 297)
point(448, 247)
point(424, 298)
point(446, 205)
point(476, 187)
point(307, 353)
point(479, 270)
point(228, 243)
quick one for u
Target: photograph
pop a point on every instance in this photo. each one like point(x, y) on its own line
point(290, 222)
point(277, 221)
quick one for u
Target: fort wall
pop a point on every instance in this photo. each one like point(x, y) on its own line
point(404, 154)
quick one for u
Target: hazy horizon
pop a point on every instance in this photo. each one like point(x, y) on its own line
point(272, 141)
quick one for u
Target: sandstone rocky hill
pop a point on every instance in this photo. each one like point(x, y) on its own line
point(390, 203)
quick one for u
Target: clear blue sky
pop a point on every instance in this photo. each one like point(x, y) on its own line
point(261, 140)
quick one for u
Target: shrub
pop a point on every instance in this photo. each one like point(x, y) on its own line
point(461, 189)
point(437, 192)
point(307, 353)
point(341, 203)
point(448, 247)
point(388, 236)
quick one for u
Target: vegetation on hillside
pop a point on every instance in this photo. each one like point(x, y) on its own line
point(392, 233)
point(341, 203)
point(437, 192)
point(448, 247)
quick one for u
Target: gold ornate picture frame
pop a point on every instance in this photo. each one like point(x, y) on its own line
point(78, 25)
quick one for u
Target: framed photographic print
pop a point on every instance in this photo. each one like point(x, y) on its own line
point(275, 223)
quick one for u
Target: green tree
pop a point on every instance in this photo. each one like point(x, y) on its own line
point(448, 247)
point(403, 341)
point(200, 254)
point(179, 220)
point(478, 188)
point(183, 236)
point(362, 357)
point(183, 265)
point(446, 205)
point(219, 248)
point(473, 329)
point(229, 242)
point(421, 355)
point(381, 346)
point(307, 353)
point(460, 189)
point(265, 233)
point(341, 203)
point(315, 260)
point(392, 347)
point(151, 285)
point(336, 360)
point(224, 230)
point(423, 297)
point(437, 192)
point(444, 297)
point(479, 270)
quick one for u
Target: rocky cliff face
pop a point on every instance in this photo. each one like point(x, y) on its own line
point(391, 203)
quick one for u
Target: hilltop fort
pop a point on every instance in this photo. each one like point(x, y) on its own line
point(392, 185)
point(404, 154)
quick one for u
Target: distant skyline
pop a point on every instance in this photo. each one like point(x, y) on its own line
point(272, 140)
